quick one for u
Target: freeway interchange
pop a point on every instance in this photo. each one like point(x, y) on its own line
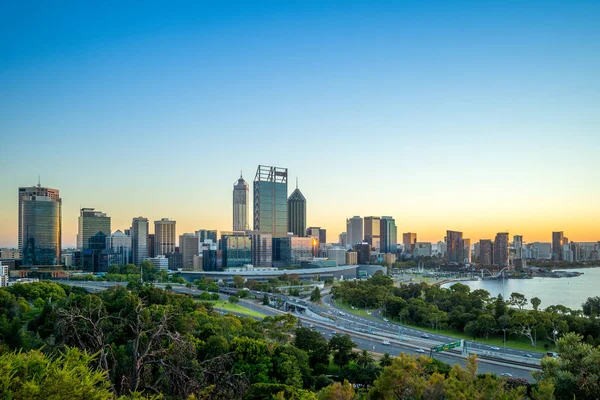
point(376, 334)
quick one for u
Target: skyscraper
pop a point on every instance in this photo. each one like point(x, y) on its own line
point(40, 226)
point(518, 246)
point(389, 232)
point(188, 247)
point(262, 249)
point(466, 250)
point(373, 231)
point(409, 239)
point(164, 237)
point(296, 213)
point(139, 239)
point(318, 233)
point(454, 246)
point(241, 200)
point(26, 193)
point(354, 230)
point(120, 248)
point(558, 240)
point(270, 200)
point(486, 252)
point(501, 251)
point(343, 239)
point(94, 228)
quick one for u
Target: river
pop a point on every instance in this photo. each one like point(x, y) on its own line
point(570, 292)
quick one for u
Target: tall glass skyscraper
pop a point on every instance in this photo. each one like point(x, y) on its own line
point(91, 223)
point(139, 239)
point(270, 200)
point(40, 226)
point(26, 193)
point(389, 235)
point(241, 202)
point(296, 213)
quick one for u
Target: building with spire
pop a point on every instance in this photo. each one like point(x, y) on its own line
point(241, 202)
point(296, 212)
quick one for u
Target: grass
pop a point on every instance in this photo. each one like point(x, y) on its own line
point(227, 306)
point(520, 343)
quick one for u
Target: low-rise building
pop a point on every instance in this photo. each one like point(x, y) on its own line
point(159, 262)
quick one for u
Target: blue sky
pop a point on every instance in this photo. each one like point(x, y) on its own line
point(477, 115)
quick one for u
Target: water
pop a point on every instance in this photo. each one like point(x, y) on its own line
point(569, 292)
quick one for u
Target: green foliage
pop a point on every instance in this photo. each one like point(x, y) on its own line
point(315, 296)
point(341, 347)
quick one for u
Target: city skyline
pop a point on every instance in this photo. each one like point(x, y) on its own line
point(476, 117)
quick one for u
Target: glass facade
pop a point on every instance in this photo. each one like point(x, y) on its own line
point(41, 229)
point(237, 250)
point(270, 201)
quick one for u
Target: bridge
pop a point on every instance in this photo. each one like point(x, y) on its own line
point(493, 276)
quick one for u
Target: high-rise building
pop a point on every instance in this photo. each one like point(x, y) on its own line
point(139, 239)
point(343, 239)
point(422, 249)
point(558, 240)
point(237, 249)
point(501, 250)
point(409, 240)
point(454, 246)
point(373, 231)
point(486, 252)
point(388, 234)
point(518, 246)
point(262, 249)
point(164, 237)
point(26, 193)
point(270, 200)
point(441, 249)
point(354, 230)
point(204, 235)
point(188, 247)
point(363, 251)
point(40, 226)
point(318, 233)
point(150, 245)
point(466, 250)
point(119, 245)
point(94, 228)
point(296, 213)
point(241, 204)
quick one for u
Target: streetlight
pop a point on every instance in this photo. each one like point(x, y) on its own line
point(504, 330)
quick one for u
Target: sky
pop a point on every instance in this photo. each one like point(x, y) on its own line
point(477, 116)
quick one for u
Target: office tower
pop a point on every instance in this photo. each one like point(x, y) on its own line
point(486, 252)
point(466, 250)
point(354, 230)
point(296, 213)
point(454, 246)
point(318, 233)
point(139, 239)
point(151, 245)
point(40, 227)
point(351, 257)
point(388, 233)
point(293, 250)
point(338, 255)
point(188, 247)
point(262, 249)
point(501, 251)
point(422, 249)
point(372, 231)
point(343, 239)
point(119, 245)
point(206, 234)
point(558, 240)
point(26, 193)
point(270, 200)
point(363, 251)
point(94, 228)
point(164, 237)
point(518, 246)
point(409, 240)
point(241, 203)
point(237, 249)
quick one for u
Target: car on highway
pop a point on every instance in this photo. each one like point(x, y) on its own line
point(526, 355)
point(420, 351)
point(386, 320)
point(387, 343)
point(425, 336)
point(495, 348)
point(506, 374)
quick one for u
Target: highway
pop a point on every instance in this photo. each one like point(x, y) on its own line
point(367, 334)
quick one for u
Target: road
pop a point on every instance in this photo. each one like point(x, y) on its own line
point(356, 327)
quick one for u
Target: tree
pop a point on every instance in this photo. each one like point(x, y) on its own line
point(364, 359)
point(265, 299)
point(386, 360)
point(234, 299)
point(535, 302)
point(517, 299)
point(252, 358)
point(499, 307)
point(315, 345)
point(315, 296)
point(591, 306)
point(238, 281)
point(33, 375)
point(486, 324)
point(337, 391)
point(341, 346)
point(523, 323)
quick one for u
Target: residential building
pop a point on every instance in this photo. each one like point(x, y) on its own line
point(441, 249)
point(518, 246)
point(466, 250)
point(567, 253)
point(409, 240)
point(139, 239)
point(40, 226)
point(270, 201)
point(454, 246)
point(10, 253)
point(558, 240)
point(486, 252)
point(3, 275)
point(188, 247)
point(543, 250)
point(373, 231)
point(354, 231)
point(296, 213)
point(501, 250)
point(422, 249)
point(164, 236)
point(241, 205)
point(388, 235)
